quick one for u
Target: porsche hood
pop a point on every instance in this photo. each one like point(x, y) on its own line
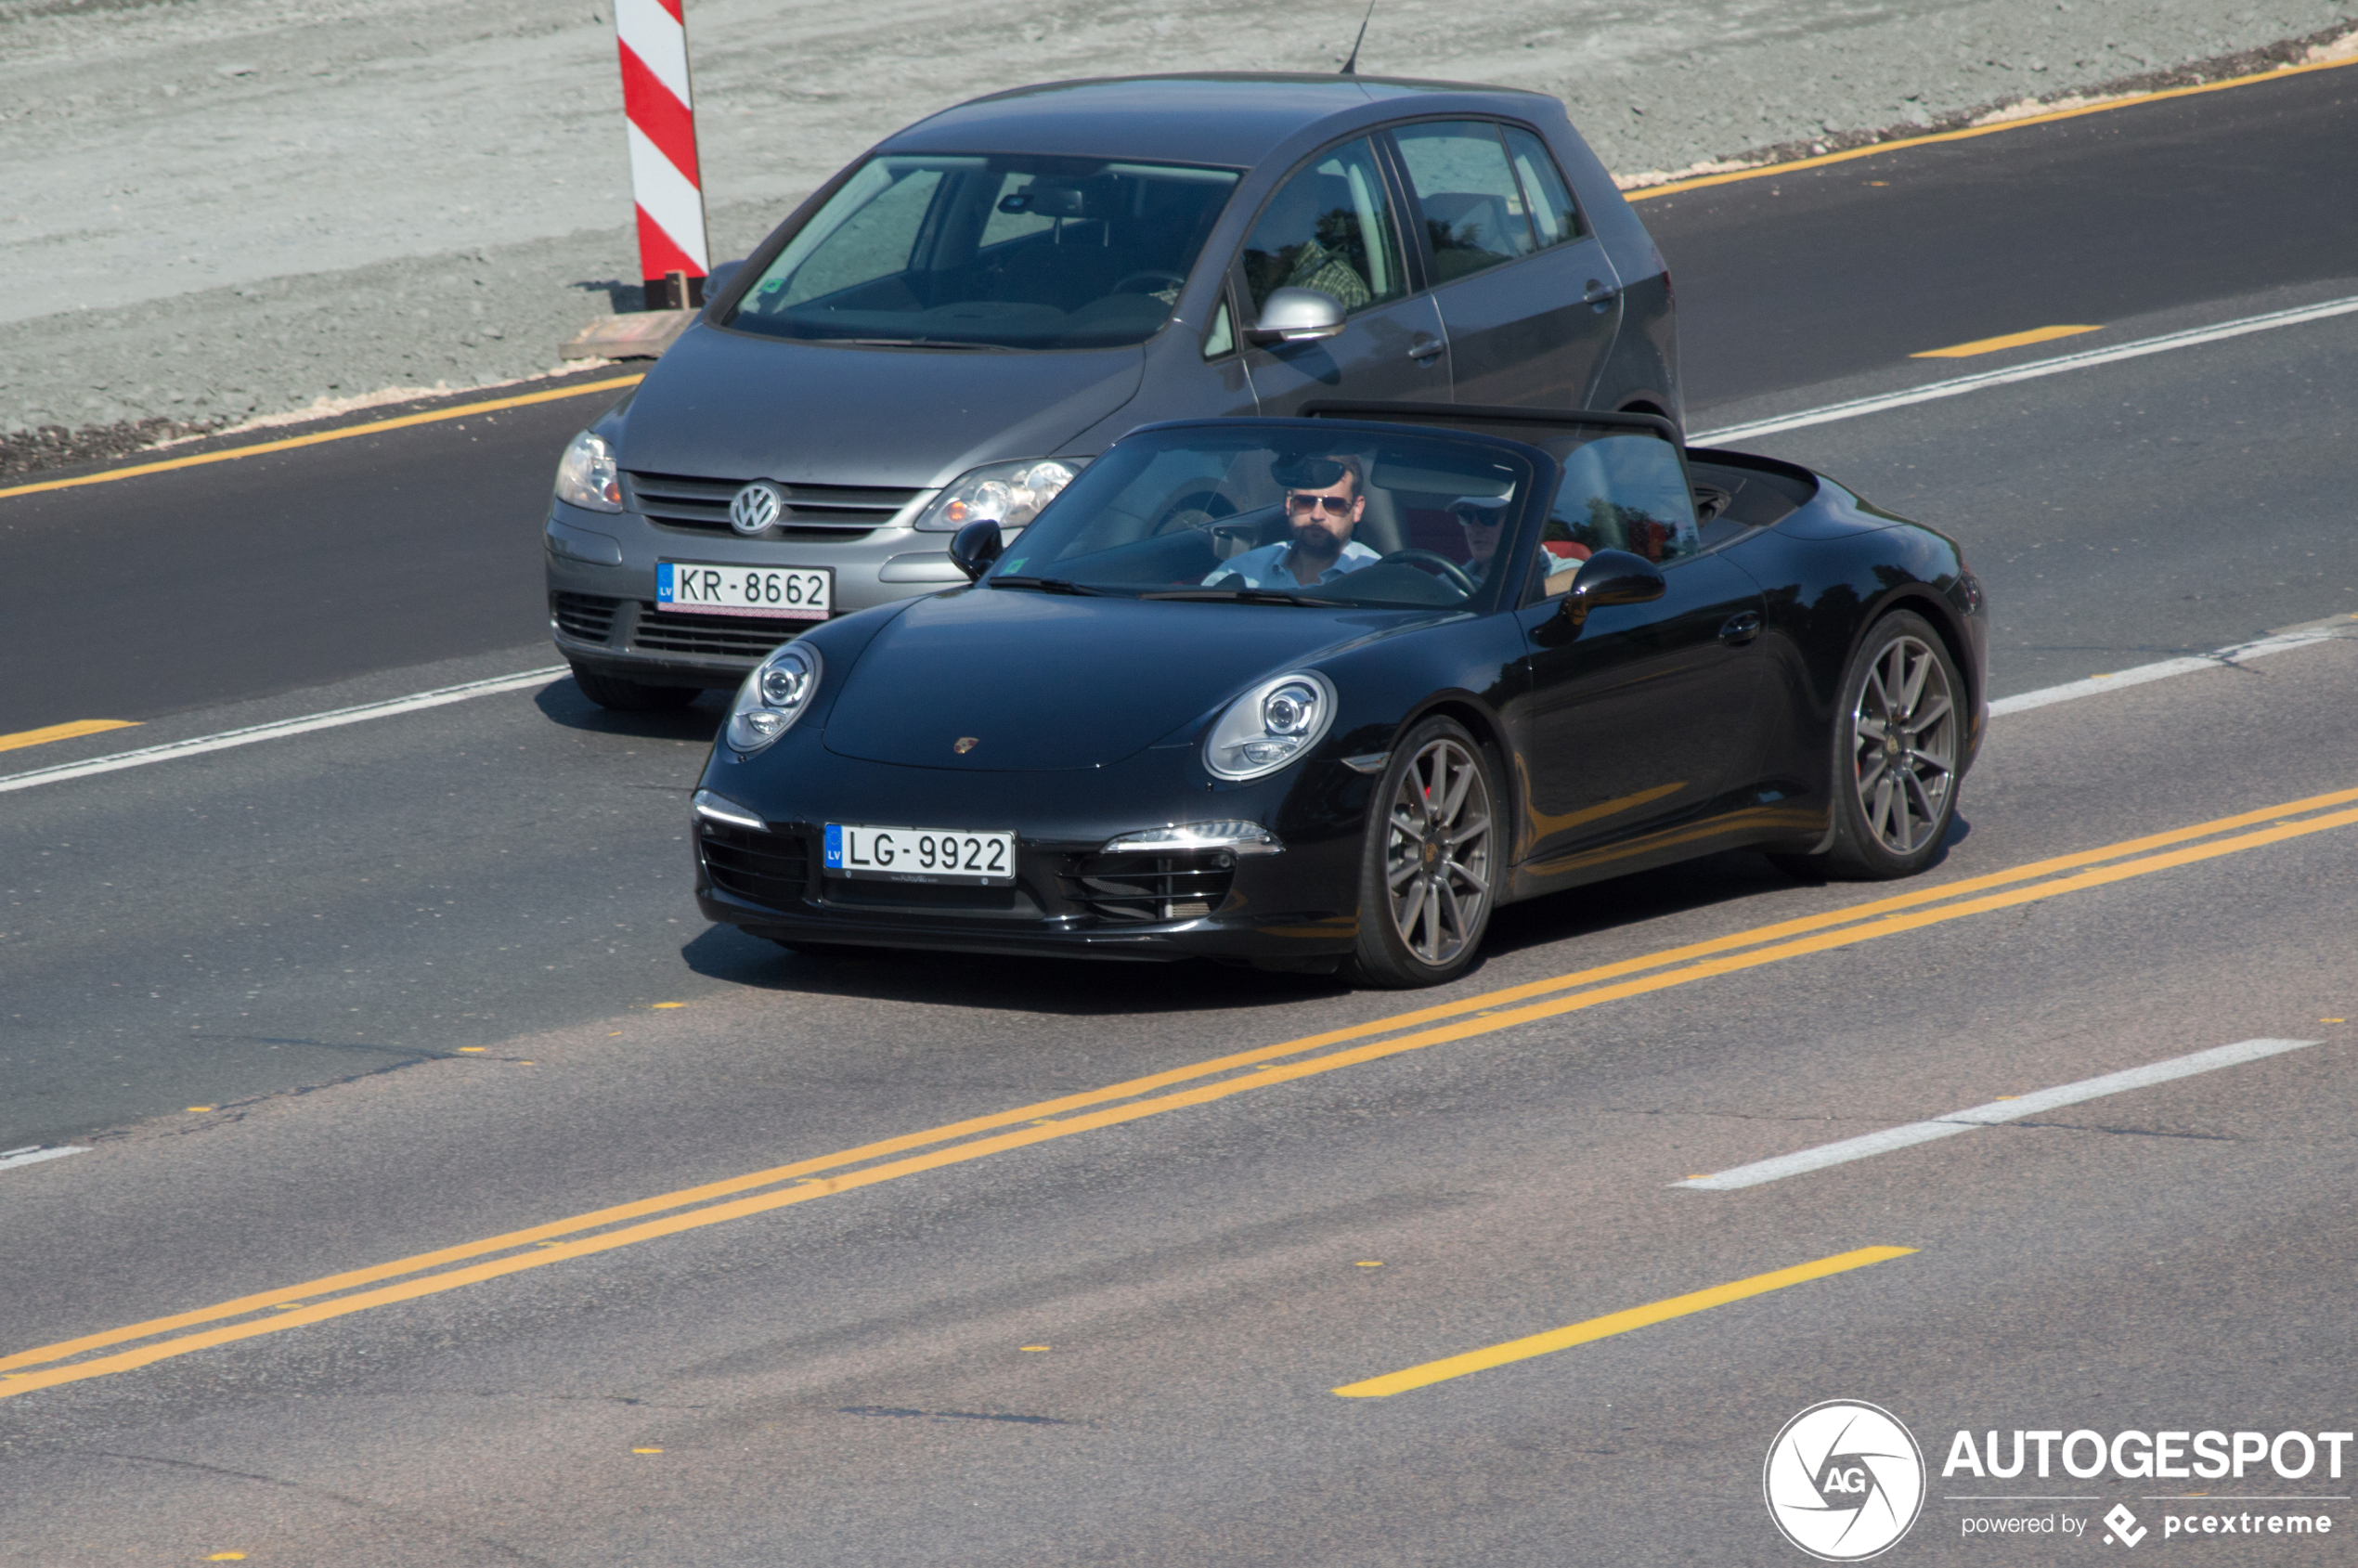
point(1024, 676)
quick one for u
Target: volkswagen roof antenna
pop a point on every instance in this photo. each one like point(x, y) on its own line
point(1351, 66)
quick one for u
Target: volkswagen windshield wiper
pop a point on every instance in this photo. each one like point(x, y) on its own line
point(925, 343)
point(1237, 596)
point(1049, 585)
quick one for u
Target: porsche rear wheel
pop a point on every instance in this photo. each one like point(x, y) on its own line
point(1429, 872)
point(1898, 738)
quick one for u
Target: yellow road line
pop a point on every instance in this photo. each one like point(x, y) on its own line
point(1614, 1323)
point(374, 427)
point(1970, 132)
point(24, 738)
point(2011, 340)
point(1051, 1120)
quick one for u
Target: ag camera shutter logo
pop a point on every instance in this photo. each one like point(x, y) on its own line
point(1844, 1481)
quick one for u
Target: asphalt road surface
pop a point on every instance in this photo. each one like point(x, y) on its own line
point(452, 1195)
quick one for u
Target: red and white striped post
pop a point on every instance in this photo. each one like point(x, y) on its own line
point(674, 253)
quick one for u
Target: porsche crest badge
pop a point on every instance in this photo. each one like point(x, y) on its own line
point(966, 744)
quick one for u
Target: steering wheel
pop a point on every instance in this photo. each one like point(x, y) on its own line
point(1198, 509)
point(1448, 570)
point(1150, 275)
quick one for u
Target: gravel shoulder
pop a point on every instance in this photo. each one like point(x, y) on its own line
point(221, 209)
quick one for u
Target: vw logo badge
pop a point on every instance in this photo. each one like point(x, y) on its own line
point(756, 507)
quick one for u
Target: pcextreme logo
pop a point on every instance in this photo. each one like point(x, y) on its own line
point(1844, 1481)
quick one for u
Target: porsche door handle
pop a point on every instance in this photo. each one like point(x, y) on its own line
point(1422, 348)
point(1600, 292)
point(1741, 628)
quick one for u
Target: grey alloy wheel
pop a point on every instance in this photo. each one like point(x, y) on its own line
point(1437, 854)
point(1903, 731)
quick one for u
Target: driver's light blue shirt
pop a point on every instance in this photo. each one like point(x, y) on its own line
point(1266, 567)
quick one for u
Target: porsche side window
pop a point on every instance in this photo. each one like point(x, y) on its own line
point(1552, 212)
point(1330, 229)
point(1466, 194)
point(1619, 492)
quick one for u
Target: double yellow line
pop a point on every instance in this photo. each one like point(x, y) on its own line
point(316, 1301)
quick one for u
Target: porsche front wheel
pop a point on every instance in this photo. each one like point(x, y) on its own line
point(1430, 867)
point(1897, 737)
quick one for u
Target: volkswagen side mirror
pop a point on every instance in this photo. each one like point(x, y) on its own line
point(1610, 577)
point(976, 546)
point(1297, 316)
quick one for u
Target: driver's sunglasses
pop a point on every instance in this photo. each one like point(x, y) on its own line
point(1335, 506)
point(1473, 519)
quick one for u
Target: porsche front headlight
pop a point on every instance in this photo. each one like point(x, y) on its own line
point(587, 476)
point(1009, 494)
point(1270, 726)
point(778, 691)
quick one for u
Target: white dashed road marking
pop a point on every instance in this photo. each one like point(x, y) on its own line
point(1990, 1115)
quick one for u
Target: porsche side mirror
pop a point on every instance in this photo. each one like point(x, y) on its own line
point(718, 278)
point(1297, 316)
point(976, 546)
point(1610, 577)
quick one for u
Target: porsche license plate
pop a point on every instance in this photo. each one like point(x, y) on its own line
point(785, 593)
point(921, 854)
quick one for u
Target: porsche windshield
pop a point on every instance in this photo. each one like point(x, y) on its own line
point(1293, 513)
point(1000, 251)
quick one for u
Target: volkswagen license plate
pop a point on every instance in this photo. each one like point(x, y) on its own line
point(785, 593)
point(921, 854)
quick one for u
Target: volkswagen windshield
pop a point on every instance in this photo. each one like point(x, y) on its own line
point(1005, 251)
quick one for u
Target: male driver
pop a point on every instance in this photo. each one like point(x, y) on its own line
point(1324, 502)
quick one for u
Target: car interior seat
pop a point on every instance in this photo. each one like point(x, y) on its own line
point(1476, 231)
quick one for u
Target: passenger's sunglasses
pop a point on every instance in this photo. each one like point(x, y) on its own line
point(1334, 506)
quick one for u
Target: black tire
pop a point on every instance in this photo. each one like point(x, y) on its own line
point(1429, 871)
point(1899, 732)
point(629, 696)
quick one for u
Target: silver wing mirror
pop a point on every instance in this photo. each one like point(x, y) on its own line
point(1297, 316)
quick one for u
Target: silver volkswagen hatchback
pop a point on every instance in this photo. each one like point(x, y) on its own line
point(951, 328)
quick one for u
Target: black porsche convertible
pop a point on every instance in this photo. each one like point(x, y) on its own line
point(1325, 691)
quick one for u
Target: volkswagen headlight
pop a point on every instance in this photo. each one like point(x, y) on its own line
point(1271, 725)
point(1009, 494)
point(587, 476)
point(778, 691)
